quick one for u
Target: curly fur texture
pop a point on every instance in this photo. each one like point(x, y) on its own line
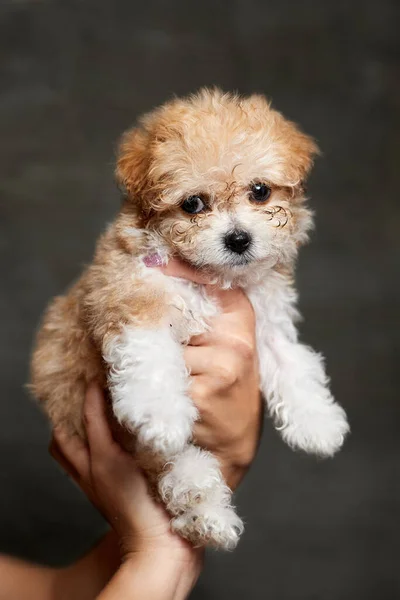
point(124, 323)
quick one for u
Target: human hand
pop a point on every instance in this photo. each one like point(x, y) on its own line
point(112, 481)
point(224, 378)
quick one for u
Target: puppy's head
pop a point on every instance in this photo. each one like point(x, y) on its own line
point(220, 178)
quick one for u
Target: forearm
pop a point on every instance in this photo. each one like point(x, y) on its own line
point(85, 579)
point(20, 580)
point(154, 577)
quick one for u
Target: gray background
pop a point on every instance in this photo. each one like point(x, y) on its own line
point(74, 75)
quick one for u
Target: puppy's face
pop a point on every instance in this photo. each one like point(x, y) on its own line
point(220, 179)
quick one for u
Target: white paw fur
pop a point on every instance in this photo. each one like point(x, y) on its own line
point(195, 493)
point(321, 432)
point(300, 400)
point(210, 524)
point(192, 478)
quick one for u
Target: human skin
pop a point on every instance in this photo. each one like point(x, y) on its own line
point(224, 387)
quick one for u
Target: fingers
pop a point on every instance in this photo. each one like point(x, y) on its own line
point(237, 345)
point(231, 300)
point(203, 339)
point(70, 452)
point(98, 432)
point(221, 364)
point(203, 434)
point(56, 452)
point(178, 268)
point(203, 393)
point(197, 359)
point(225, 333)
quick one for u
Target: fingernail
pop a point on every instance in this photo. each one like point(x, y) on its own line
point(153, 260)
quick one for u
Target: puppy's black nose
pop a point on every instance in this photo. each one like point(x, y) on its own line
point(238, 241)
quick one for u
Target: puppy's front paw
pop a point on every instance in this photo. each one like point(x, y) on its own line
point(320, 430)
point(162, 439)
point(206, 524)
point(167, 436)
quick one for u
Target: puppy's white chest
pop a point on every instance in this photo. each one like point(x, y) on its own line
point(190, 309)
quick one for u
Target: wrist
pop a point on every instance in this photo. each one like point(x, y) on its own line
point(169, 574)
point(159, 544)
point(173, 558)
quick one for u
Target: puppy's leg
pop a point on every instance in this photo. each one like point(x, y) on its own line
point(148, 382)
point(298, 396)
point(195, 493)
point(293, 378)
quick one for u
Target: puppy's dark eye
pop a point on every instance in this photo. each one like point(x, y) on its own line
point(260, 192)
point(193, 205)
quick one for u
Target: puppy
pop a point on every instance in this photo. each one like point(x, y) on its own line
point(217, 180)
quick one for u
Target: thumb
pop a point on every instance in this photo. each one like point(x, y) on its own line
point(179, 268)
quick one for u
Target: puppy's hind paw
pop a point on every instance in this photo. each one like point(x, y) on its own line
point(207, 525)
point(191, 478)
point(319, 431)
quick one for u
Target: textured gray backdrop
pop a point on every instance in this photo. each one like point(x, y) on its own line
point(74, 75)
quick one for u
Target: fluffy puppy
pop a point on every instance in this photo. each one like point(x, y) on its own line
point(217, 180)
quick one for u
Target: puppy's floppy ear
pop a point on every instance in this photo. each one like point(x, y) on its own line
point(303, 149)
point(133, 162)
point(297, 148)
